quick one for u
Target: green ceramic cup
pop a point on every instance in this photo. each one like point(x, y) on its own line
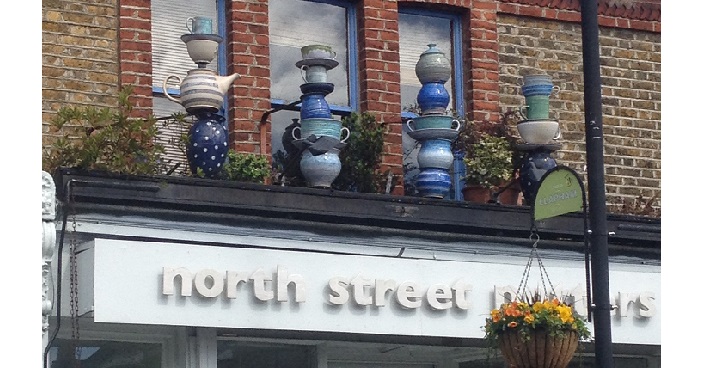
point(537, 107)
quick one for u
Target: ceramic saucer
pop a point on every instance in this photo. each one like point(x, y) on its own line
point(433, 133)
point(329, 63)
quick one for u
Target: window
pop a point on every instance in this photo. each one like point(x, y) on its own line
point(417, 29)
point(105, 354)
point(170, 57)
point(233, 354)
point(294, 24)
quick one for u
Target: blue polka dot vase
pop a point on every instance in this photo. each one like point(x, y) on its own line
point(207, 145)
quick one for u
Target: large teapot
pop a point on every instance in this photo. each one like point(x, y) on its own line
point(201, 90)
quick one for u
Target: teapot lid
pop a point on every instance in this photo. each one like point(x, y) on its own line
point(432, 49)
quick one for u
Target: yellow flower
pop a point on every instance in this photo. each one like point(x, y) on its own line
point(529, 318)
point(566, 314)
point(537, 307)
point(495, 315)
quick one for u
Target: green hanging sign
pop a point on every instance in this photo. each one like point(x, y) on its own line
point(560, 192)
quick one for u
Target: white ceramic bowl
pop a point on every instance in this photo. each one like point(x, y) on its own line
point(202, 51)
point(539, 131)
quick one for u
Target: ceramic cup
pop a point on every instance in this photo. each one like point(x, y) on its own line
point(317, 52)
point(314, 73)
point(199, 25)
point(538, 107)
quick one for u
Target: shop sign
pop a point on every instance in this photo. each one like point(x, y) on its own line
point(222, 287)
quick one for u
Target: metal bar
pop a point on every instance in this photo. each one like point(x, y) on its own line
point(596, 184)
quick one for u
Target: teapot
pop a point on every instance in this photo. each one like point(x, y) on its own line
point(201, 90)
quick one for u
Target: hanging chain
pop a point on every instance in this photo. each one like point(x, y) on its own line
point(535, 237)
point(74, 317)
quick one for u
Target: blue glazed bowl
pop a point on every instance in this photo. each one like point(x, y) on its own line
point(433, 183)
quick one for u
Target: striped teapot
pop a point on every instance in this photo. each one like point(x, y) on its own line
point(201, 90)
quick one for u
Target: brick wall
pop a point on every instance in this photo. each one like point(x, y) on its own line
point(79, 55)
point(85, 59)
point(630, 72)
point(379, 67)
point(248, 40)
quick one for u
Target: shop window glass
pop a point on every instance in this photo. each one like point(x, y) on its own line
point(417, 29)
point(294, 24)
point(101, 354)
point(234, 354)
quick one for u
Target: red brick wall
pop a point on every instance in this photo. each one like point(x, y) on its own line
point(379, 67)
point(136, 52)
point(248, 45)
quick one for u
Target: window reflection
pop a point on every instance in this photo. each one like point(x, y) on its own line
point(294, 24)
point(416, 32)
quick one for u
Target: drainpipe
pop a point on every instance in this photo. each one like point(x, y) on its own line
point(599, 268)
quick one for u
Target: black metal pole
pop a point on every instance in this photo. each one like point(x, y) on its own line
point(596, 184)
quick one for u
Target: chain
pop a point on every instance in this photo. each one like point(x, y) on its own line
point(535, 237)
point(75, 319)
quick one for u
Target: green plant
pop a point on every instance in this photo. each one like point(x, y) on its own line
point(361, 157)
point(489, 155)
point(246, 167)
point(104, 139)
point(550, 315)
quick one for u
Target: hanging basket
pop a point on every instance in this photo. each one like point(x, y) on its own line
point(540, 351)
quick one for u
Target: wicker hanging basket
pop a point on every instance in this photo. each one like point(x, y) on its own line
point(541, 351)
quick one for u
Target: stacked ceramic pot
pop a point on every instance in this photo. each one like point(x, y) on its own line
point(322, 136)
point(202, 93)
point(433, 129)
point(538, 131)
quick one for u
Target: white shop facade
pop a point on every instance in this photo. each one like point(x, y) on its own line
point(155, 291)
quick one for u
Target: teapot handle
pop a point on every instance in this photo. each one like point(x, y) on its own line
point(171, 98)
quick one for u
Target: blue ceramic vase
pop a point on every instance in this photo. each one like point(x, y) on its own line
point(207, 145)
point(534, 165)
point(320, 171)
point(435, 153)
point(433, 98)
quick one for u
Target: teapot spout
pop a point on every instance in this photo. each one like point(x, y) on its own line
point(225, 82)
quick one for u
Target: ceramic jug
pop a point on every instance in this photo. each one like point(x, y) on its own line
point(201, 90)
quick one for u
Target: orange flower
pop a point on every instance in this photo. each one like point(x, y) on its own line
point(512, 324)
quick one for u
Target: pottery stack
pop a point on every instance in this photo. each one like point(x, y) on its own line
point(539, 132)
point(433, 129)
point(319, 166)
point(202, 94)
